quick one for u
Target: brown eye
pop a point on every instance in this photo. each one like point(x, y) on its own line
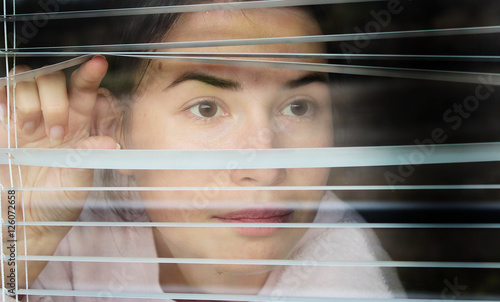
point(298, 108)
point(206, 109)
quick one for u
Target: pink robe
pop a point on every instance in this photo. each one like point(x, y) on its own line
point(106, 280)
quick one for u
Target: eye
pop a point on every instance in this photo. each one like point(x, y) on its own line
point(298, 108)
point(206, 109)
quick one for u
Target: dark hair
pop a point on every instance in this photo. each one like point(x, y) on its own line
point(124, 72)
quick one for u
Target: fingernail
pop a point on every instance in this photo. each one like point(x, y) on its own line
point(100, 56)
point(29, 127)
point(56, 133)
point(118, 147)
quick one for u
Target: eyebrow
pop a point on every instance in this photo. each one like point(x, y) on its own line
point(307, 79)
point(232, 85)
point(207, 79)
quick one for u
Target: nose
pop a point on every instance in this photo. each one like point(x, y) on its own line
point(258, 177)
point(258, 134)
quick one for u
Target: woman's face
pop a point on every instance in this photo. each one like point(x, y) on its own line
point(205, 106)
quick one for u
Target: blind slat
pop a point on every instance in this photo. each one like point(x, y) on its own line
point(212, 297)
point(254, 158)
point(269, 225)
point(281, 40)
point(405, 73)
point(273, 262)
point(172, 9)
point(274, 188)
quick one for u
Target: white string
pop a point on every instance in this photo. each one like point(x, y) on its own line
point(4, 283)
point(14, 86)
point(2, 264)
point(19, 167)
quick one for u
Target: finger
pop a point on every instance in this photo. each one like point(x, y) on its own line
point(54, 104)
point(27, 103)
point(84, 84)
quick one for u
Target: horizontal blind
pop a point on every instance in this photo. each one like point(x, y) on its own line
point(416, 154)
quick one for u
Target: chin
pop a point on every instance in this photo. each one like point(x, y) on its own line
point(277, 247)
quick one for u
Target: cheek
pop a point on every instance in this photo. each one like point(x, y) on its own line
point(324, 137)
point(157, 213)
point(168, 179)
point(149, 126)
point(181, 178)
point(172, 206)
point(309, 177)
point(176, 205)
point(317, 134)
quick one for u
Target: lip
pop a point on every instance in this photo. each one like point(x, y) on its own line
point(256, 216)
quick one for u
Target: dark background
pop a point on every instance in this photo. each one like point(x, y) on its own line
point(382, 112)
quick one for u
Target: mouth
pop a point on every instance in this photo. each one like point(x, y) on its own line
point(256, 216)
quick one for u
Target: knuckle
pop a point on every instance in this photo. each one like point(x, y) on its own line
point(19, 68)
point(55, 108)
point(57, 75)
point(25, 89)
point(84, 81)
point(22, 68)
point(27, 110)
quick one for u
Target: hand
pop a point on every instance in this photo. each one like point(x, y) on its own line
point(51, 115)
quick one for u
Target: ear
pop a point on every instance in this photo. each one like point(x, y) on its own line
point(106, 119)
point(105, 116)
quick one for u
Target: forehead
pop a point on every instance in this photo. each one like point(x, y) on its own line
point(240, 24)
point(247, 24)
